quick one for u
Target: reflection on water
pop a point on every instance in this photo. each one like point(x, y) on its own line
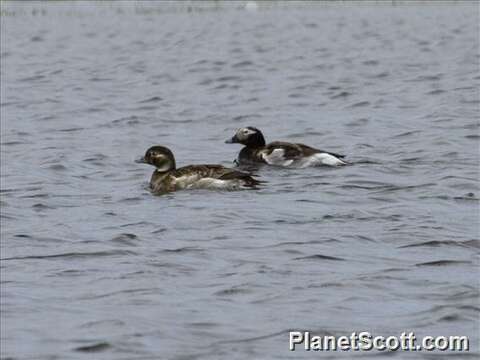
point(93, 263)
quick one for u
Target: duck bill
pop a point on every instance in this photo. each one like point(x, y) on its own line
point(141, 160)
point(233, 140)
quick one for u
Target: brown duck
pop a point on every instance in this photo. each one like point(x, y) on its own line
point(167, 178)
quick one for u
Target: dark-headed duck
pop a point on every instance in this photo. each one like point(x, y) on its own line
point(280, 153)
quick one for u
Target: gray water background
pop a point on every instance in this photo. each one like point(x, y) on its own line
point(95, 267)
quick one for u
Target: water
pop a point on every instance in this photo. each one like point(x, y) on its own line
point(94, 266)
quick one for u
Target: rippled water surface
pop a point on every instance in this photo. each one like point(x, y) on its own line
point(94, 266)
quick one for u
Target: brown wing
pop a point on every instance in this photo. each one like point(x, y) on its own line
point(295, 151)
point(213, 171)
point(308, 150)
point(217, 172)
point(291, 151)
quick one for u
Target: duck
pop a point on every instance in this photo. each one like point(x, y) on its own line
point(279, 153)
point(168, 178)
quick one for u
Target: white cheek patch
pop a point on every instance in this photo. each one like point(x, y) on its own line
point(164, 167)
point(245, 133)
point(166, 164)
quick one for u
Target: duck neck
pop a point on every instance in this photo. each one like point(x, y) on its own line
point(255, 141)
point(165, 166)
point(158, 175)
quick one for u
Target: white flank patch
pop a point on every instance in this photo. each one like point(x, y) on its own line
point(186, 181)
point(321, 159)
point(211, 183)
point(277, 157)
point(196, 182)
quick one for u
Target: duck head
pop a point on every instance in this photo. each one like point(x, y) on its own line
point(248, 136)
point(160, 157)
